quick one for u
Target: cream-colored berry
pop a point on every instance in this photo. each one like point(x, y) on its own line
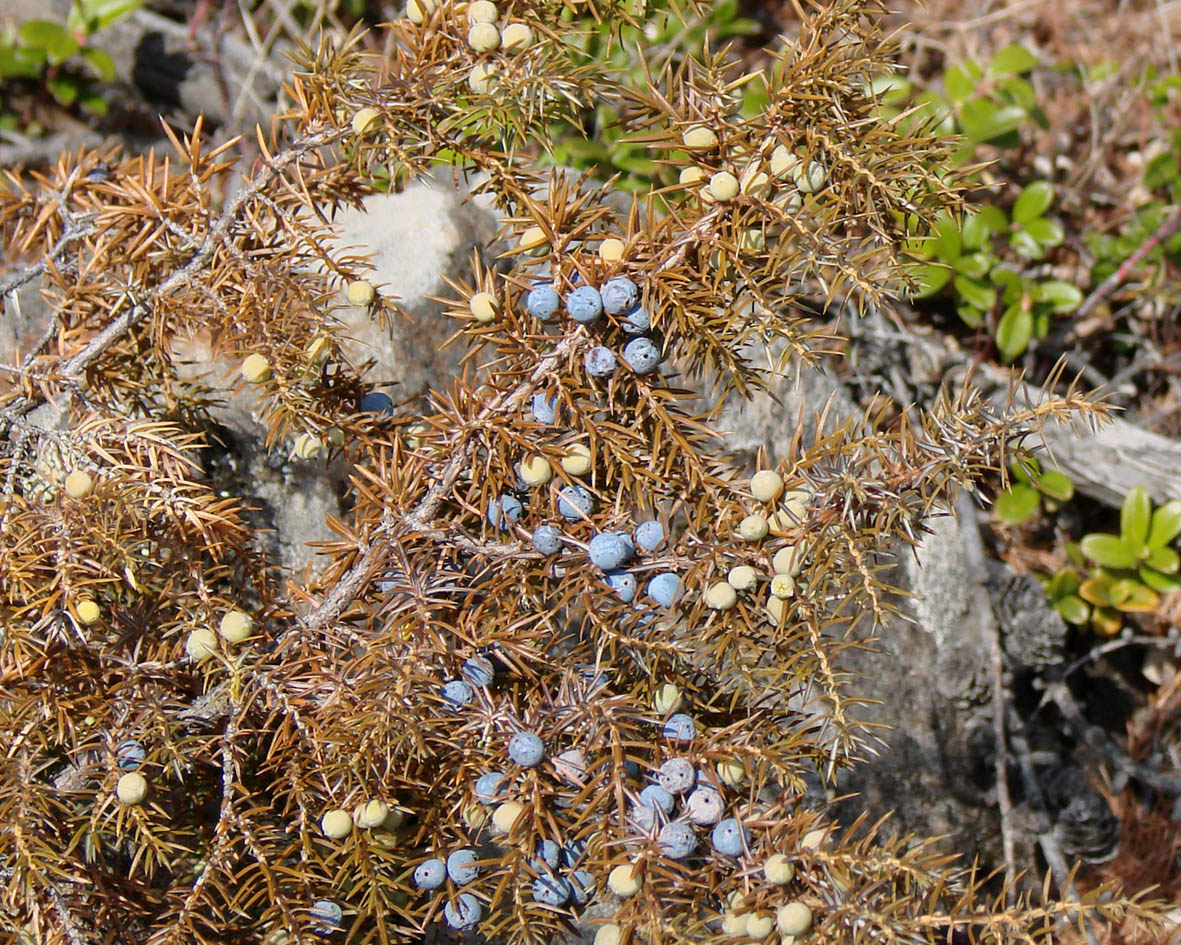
point(200, 644)
point(754, 181)
point(88, 612)
point(721, 596)
point(723, 186)
point(533, 238)
point(516, 36)
point(361, 292)
point(766, 485)
point(414, 434)
point(482, 11)
point(783, 586)
point(371, 813)
point(336, 824)
point(78, 484)
point(759, 925)
point(811, 178)
point(475, 815)
point(365, 120)
point(732, 772)
point(753, 527)
point(417, 11)
point(690, 175)
point(308, 446)
point(752, 241)
point(814, 839)
point(506, 815)
point(609, 934)
point(577, 461)
point(795, 918)
point(789, 200)
point(742, 577)
point(786, 560)
point(624, 881)
point(783, 162)
point(734, 923)
point(535, 471)
point(780, 522)
point(483, 37)
point(797, 502)
point(235, 626)
point(132, 788)
point(699, 138)
point(611, 249)
point(481, 78)
point(483, 307)
point(668, 698)
point(778, 869)
point(256, 368)
point(776, 608)
point(319, 351)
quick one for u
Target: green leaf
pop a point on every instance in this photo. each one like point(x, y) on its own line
point(1014, 332)
point(1165, 560)
point(984, 121)
point(1012, 60)
point(1065, 581)
point(979, 226)
point(1025, 245)
point(930, 278)
point(1166, 524)
point(975, 292)
point(1109, 551)
point(1041, 321)
point(64, 89)
point(1164, 583)
point(1106, 621)
point(41, 33)
point(102, 64)
point(21, 63)
point(1046, 231)
point(1074, 610)
point(946, 243)
point(1009, 282)
point(961, 80)
point(1016, 505)
point(969, 315)
point(1096, 590)
point(1062, 297)
point(1017, 92)
point(102, 13)
point(94, 103)
point(1034, 200)
point(1056, 485)
point(1162, 170)
point(1132, 597)
point(1134, 517)
point(974, 265)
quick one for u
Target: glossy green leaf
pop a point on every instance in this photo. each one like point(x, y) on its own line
point(101, 62)
point(1041, 321)
point(1162, 170)
point(1009, 282)
point(1025, 245)
point(21, 63)
point(1012, 60)
point(974, 265)
point(945, 243)
point(1046, 231)
point(1056, 485)
point(975, 292)
point(1065, 581)
point(42, 33)
point(1074, 610)
point(1034, 200)
point(1106, 621)
point(1062, 297)
point(984, 121)
point(1014, 332)
point(1132, 597)
point(930, 279)
point(1166, 524)
point(1134, 517)
point(1159, 581)
point(64, 89)
point(1026, 469)
point(981, 225)
point(1016, 505)
point(960, 80)
point(1109, 551)
point(1096, 590)
point(1165, 560)
point(1018, 92)
point(102, 13)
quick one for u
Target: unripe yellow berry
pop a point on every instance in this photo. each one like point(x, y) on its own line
point(721, 596)
point(535, 471)
point(417, 11)
point(766, 485)
point(797, 502)
point(690, 175)
point(235, 626)
point(611, 249)
point(533, 238)
point(752, 241)
point(132, 788)
point(414, 434)
point(814, 839)
point(483, 307)
point(810, 179)
point(735, 900)
point(742, 577)
point(481, 78)
point(723, 186)
point(783, 586)
point(483, 37)
point(256, 368)
point(699, 138)
point(753, 527)
point(200, 644)
point(506, 815)
point(78, 484)
point(475, 815)
point(482, 11)
point(734, 923)
point(88, 612)
point(624, 881)
point(393, 820)
point(668, 699)
point(783, 161)
point(781, 522)
point(609, 934)
point(754, 181)
point(371, 813)
point(732, 772)
point(778, 869)
point(794, 919)
point(786, 560)
point(577, 461)
point(516, 36)
point(308, 446)
point(759, 925)
point(789, 200)
point(336, 824)
point(319, 351)
point(361, 293)
point(365, 120)
point(776, 608)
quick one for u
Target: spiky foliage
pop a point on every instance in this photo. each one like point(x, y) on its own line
point(335, 700)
